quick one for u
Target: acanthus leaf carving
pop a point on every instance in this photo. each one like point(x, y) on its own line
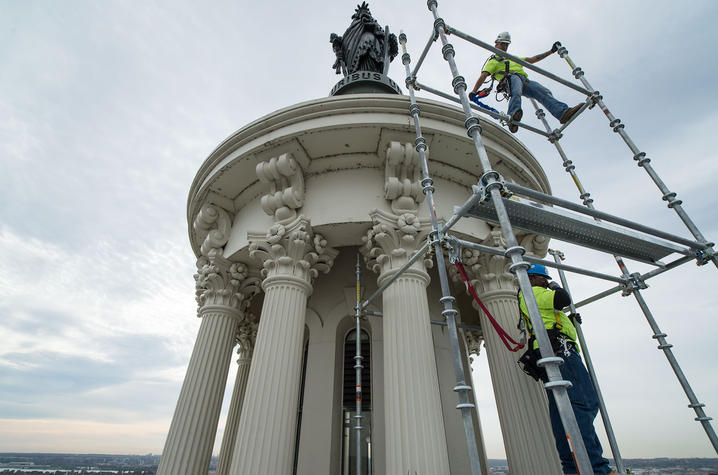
point(219, 281)
point(402, 174)
point(247, 336)
point(392, 239)
point(473, 339)
point(286, 187)
point(293, 250)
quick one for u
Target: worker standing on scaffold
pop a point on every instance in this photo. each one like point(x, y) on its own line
point(515, 82)
point(551, 298)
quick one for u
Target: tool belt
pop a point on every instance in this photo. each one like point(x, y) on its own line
point(560, 344)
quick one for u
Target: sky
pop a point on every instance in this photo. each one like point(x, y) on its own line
point(108, 109)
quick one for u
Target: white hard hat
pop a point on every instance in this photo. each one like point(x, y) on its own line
point(504, 37)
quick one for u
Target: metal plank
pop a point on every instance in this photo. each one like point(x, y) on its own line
point(579, 229)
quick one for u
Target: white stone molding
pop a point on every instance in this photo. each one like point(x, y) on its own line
point(414, 426)
point(213, 226)
point(286, 187)
point(403, 178)
point(246, 336)
point(222, 288)
point(521, 401)
point(292, 255)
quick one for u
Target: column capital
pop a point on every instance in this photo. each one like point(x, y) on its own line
point(222, 283)
point(247, 337)
point(391, 241)
point(473, 340)
point(292, 253)
point(489, 273)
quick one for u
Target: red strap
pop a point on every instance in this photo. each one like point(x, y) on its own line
point(505, 337)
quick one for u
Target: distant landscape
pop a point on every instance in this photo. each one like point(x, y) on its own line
point(106, 464)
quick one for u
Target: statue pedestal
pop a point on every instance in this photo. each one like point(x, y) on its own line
point(365, 82)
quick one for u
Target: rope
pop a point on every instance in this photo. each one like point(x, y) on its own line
point(503, 335)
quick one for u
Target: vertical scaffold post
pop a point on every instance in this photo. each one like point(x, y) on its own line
point(640, 157)
point(558, 256)
point(657, 333)
point(447, 300)
point(358, 367)
point(492, 185)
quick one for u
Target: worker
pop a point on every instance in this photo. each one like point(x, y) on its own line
point(514, 80)
point(551, 298)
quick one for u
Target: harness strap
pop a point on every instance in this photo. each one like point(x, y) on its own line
point(503, 335)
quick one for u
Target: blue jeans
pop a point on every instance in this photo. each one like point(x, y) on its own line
point(526, 87)
point(585, 406)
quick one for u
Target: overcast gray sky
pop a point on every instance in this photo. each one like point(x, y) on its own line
point(107, 110)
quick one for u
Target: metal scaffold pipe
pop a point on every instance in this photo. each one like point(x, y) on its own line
point(431, 40)
point(635, 289)
point(495, 115)
point(558, 256)
point(556, 384)
point(358, 366)
point(447, 300)
point(535, 260)
point(640, 157)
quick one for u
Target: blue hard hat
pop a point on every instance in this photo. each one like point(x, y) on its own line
point(538, 269)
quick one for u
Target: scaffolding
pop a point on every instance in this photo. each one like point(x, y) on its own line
point(550, 216)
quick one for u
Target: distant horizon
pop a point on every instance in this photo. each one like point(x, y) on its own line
point(490, 459)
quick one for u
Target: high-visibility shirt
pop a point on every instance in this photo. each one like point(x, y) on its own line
point(497, 68)
point(550, 316)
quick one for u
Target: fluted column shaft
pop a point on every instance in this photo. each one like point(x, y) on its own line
point(521, 401)
point(267, 427)
point(188, 448)
point(235, 410)
point(415, 436)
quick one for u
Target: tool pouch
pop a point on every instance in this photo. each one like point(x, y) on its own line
point(527, 363)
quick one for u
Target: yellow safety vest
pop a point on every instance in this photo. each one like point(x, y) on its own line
point(551, 317)
point(497, 69)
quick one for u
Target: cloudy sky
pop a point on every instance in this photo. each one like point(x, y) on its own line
point(107, 110)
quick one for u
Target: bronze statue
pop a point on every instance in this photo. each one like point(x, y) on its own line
point(365, 45)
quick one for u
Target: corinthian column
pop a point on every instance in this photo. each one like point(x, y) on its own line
point(222, 287)
point(415, 437)
point(191, 436)
point(246, 336)
point(521, 401)
point(292, 257)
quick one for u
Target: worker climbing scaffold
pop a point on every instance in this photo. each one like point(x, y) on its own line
point(514, 83)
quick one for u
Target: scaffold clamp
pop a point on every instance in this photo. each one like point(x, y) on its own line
point(704, 256)
point(634, 282)
point(455, 249)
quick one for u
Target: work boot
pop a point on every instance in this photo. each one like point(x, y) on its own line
point(513, 128)
point(569, 113)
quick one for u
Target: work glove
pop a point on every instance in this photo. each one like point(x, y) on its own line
point(472, 96)
point(553, 285)
point(555, 46)
point(575, 317)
